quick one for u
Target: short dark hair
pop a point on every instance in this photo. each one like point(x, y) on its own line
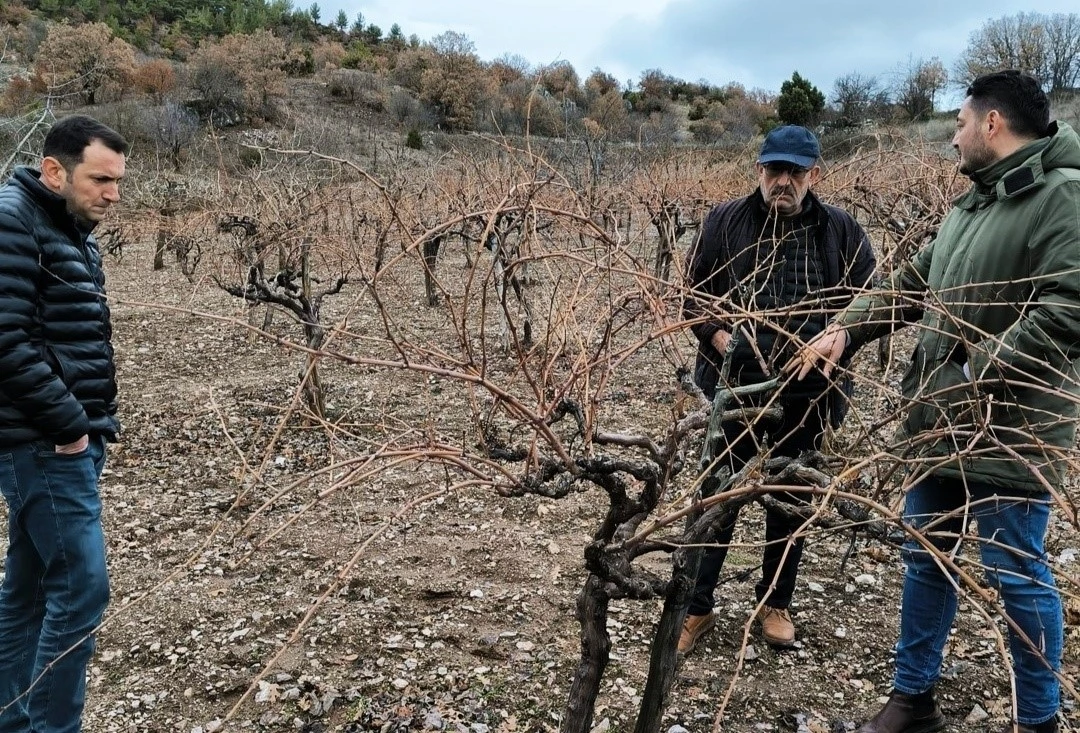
point(1017, 96)
point(70, 136)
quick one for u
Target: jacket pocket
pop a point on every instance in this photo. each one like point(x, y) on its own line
point(54, 363)
point(958, 395)
point(910, 381)
point(706, 374)
point(916, 410)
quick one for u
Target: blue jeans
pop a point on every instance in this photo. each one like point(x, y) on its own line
point(1011, 533)
point(55, 585)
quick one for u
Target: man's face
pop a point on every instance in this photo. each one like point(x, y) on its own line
point(970, 140)
point(784, 185)
point(93, 185)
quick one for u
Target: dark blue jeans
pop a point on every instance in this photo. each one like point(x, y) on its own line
point(55, 585)
point(1011, 533)
point(802, 429)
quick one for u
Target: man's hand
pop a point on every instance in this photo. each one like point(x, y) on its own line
point(720, 341)
point(823, 350)
point(78, 446)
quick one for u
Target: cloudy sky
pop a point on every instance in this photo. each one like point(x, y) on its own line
point(758, 45)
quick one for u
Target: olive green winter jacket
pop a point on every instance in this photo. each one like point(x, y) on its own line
point(997, 292)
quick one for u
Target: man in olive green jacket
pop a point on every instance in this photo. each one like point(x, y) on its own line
point(991, 394)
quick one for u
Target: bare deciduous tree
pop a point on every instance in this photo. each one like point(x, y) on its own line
point(172, 127)
point(1063, 52)
point(1009, 42)
point(858, 97)
point(918, 85)
point(1045, 46)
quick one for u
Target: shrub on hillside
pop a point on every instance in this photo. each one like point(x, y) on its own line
point(408, 111)
point(733, 122)
point(21, 32)
point(85, 61)
point(660, 129)
point(169, 129)
point(328, 55)
point(220, 95)
point(358, 56)
point(364, 88)
point(122, 116)
point(299, 60)
point(608, 112)
point(239, 73)
point(1067, 109)
point(409, 67)
point(19, 95)
point(155, 78)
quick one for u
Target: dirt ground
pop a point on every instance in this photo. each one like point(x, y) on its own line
point(244, 600)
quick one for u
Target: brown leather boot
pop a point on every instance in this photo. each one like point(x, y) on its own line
point(907, 714)
point(694, 627)
point(776, 626)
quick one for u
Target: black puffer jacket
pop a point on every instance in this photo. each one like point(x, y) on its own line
point(57, 375)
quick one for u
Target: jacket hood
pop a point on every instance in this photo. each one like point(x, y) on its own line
point(1063, 150)
point(1025, 169)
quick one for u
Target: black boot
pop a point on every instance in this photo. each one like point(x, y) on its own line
point(907, 714)
point(1049, 726)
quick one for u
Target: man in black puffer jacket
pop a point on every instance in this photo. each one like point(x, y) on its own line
point(57, 410)
point(784, 260)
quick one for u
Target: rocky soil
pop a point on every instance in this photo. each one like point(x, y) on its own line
point(252, 593)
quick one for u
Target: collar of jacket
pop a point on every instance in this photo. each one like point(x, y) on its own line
point(1011, 176)
point(53, 203)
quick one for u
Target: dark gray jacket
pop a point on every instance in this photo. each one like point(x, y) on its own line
point(57, 375)
point(726, 252)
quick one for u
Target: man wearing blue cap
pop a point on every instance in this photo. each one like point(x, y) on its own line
point(773, 266)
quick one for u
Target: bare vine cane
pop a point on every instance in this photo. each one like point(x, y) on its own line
point(701, 527)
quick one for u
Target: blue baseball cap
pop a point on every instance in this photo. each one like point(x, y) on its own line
point(790, 144)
